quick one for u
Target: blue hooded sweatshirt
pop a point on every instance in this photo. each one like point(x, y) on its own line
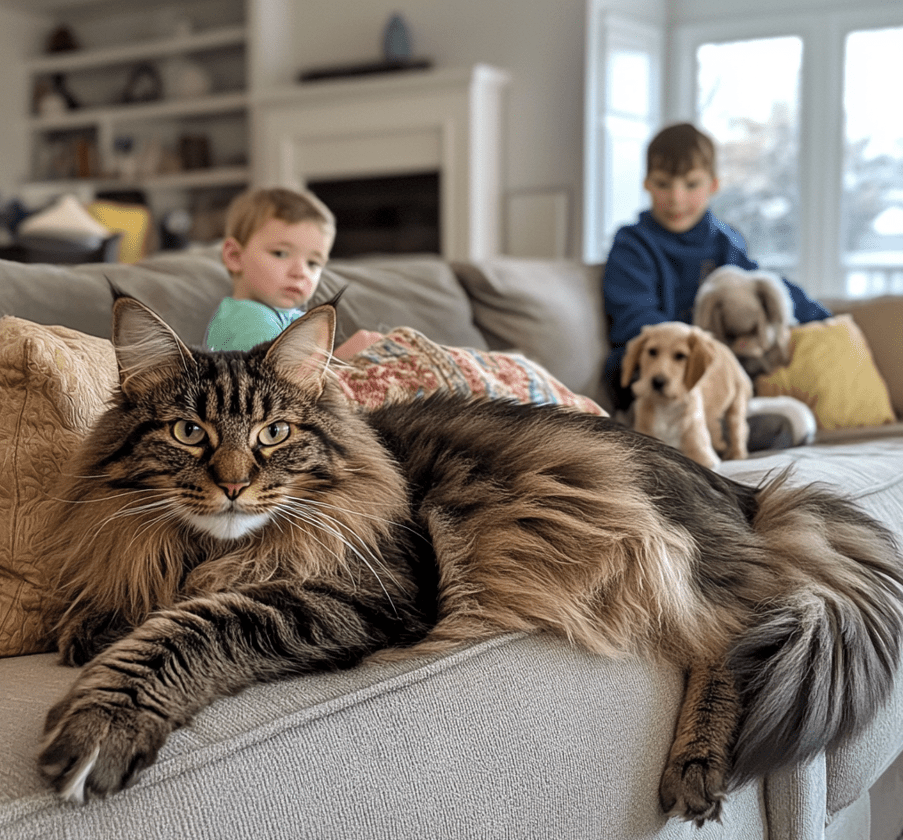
point(652, 275)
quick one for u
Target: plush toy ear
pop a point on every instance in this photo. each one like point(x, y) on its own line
point(702, 353)
point(147, 349)
point(302, 351)
point(632, 357)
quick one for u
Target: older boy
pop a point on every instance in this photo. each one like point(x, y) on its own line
point(277, 243)
point(656, 265)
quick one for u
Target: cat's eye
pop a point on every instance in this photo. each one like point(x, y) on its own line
point(191, 434)
point(274, 433)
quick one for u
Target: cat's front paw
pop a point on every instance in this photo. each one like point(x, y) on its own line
point(98, 741)
point(83, 638)
point(693, 790)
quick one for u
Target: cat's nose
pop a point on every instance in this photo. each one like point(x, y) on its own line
point(234, 490)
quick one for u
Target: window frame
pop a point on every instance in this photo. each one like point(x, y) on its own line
point(823, 34)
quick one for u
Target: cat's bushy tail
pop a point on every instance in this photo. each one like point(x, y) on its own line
point(820, 663)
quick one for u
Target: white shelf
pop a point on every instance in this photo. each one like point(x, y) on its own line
point(216, 103)
point(66, 62)
point(220, 176)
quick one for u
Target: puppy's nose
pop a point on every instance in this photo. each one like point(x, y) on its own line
point(659, 382)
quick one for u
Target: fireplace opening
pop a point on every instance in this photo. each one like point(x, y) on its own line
point(392, 214)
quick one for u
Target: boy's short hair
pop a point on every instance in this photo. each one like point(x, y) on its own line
point(253, 208)
point(679, 148)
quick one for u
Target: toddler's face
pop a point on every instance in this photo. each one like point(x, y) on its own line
point(680, 201)
point(280, 265)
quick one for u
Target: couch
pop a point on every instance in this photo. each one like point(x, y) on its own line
point(522, 736)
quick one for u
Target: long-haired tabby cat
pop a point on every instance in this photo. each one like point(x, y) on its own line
point(234, 520)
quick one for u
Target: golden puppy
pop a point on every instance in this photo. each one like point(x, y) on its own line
point(751, 312)
point(688, 382)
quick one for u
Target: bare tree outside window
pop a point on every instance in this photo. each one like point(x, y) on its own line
point(748, 101)
point(872, 203)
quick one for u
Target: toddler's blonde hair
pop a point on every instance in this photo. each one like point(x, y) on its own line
point(252, 209)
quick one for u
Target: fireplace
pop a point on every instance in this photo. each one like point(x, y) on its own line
point(394, 214)
point(420, 137)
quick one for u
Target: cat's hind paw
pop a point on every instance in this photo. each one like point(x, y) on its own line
point(693, 791)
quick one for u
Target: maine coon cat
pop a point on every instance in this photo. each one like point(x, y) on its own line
point(233, 520)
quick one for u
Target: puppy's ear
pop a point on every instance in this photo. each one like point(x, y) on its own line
point(702, 353)
point(709, 314)
point(775, 300)
point(632, 358)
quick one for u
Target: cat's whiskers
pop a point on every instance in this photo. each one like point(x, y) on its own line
point(394, 523)
point(125, 512)
point(157, 523)
point(280, 514)
point(317, 521)
point(125, 493)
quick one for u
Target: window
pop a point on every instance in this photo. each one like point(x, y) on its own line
point(810, 137)
point(872, 203)
point(622, 112)
point(754, 117)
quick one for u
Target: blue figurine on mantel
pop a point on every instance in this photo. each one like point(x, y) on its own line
point(397, 40)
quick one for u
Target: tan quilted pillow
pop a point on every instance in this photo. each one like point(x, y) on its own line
point(53, 383)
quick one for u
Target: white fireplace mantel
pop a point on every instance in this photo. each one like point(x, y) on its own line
point(396, 124)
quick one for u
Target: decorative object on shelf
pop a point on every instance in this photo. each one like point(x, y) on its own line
point(396, 40)
point(144, 85)
point(185, 79)
point(62, 39)
point(194, 151)
point(397, 55)
point(125, 157)
point(86, 157)
point(54, 98)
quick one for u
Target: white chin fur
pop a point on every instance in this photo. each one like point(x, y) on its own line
point(228, 526)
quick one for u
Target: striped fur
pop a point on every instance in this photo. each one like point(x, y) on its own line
point(237, 521)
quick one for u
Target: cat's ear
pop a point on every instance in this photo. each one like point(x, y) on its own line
point(302, 351)
point(147, 349)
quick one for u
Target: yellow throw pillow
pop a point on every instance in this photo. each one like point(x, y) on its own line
point(833, 372)
point(133, 221)
point(53, 384)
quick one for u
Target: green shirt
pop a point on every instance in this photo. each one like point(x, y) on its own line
point(243, 324)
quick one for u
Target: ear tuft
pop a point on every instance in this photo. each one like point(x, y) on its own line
point(302, 351)
point(147, 349)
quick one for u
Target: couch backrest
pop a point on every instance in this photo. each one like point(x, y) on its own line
point(549, 310)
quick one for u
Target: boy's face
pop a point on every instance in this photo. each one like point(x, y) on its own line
point(679, 201)
point(280, 265)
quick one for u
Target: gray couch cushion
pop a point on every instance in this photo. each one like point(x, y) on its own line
point(550, 310)
point(404, 291)
point(183, 288)
point(523, 736)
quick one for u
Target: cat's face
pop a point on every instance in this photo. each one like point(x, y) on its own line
point(225, 443)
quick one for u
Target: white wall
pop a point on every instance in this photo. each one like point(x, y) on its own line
point(19, 34)
point(540, 42)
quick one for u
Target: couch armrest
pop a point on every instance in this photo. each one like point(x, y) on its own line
point(881, 321)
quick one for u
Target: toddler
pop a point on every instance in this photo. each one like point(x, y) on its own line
point(277, 243)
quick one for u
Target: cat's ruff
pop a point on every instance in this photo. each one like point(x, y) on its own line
point(421, 525)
